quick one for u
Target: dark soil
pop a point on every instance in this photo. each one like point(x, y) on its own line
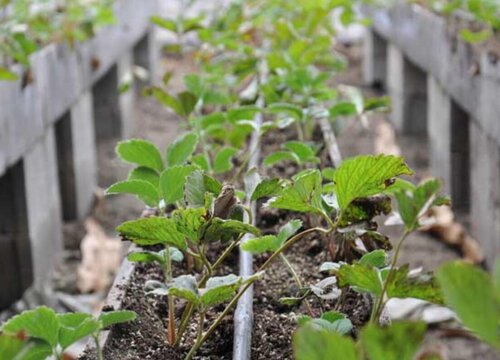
point(145, 338)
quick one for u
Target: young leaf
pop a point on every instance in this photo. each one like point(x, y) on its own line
point(399, 341)
point(185, 287)
point(41, 323)
point(267, 188)
point(167, 24)
point(343, 109)
point(116, 317)
point(304, 195)
point(172, 182)
point(224, 230)
point(288, 230)
point(288, 109)
point(310, 343)
point(222, 161)
point(259, 245)
point(166, 99)
point(75, 326)
point(6, 75)
point(152, 256)
point(145, 174)
point(142, 189)
point(140, 152)
point(219, 289)
point(331, 321)
point(366, 175)
point(181, 149)
point(471, 294)
point(152, 231)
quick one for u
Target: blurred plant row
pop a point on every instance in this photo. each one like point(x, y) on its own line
point(28, 25)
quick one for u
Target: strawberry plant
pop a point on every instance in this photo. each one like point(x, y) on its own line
point(41, 333)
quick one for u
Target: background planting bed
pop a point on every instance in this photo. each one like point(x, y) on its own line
point(448, 90)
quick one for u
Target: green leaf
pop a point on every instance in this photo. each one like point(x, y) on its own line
point(304, 152)
point(219, 289)
point(261, 244)
point(142, 189)
point(414, 204)
point(399, 341)
point(172, 181)
point(152, 231)
point(166, 99)
point(422, 287)
point(280, 156)
point(223, 230)
point(116, 317)
point(41, 323)
point(361, 277)
point(6, 75)
point(190, 222)
point(251, 180)
point(366, 175)
point(377, 104)
point(201, 161)
point(288, 109)
point(167, 24)
point(152, 256)
point(288, 230)
point(185, 287)
point(36, 350)
point(267, 188)
point(343, 109)
point(470, 292)
point(304, 195)
point(222, 160)
point(145, 174)
point(181, 149)
point(140, 152)
point(377, 258)
point(475, 37)
point(188, 102)
point(313, 344)
point(11, 347)
point(75, 326)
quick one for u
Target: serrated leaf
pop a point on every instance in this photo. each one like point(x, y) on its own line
point(361, 277)
point(190, 222)
point(75, 326)
point(422, 287)
point(201, 161)
point(470, 292)
point(116, 317)
point(222, 160)
point(41, 323)
point(267, 188)
point(261, 244)
point(140, 152)
point(303, 195)
point(219, 289)
point(376, 258)
point(399, 341)
point(142, 189)
point(365, 176)
point(145, 174)
point(172, 181)
point(313, 344)
point(181, 149)
point(224, 230)
point(152, 231)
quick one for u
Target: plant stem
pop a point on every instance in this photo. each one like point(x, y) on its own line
point(199, 337)
point(171, 300)
point(381, 300)
point(297, 280)
point(188, 311)
point(98, 348)
point(263, 267)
